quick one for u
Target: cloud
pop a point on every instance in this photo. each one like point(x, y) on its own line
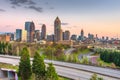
point(46, 3)
point(19, 2)
point(38, 9)
point(2, 10)
point(29, 4)
point(51, 8)
point(13, 7)
point(64, 23)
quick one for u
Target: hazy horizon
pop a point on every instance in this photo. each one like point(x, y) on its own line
point(100, 17)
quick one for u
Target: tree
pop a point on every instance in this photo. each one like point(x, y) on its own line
point(0, 48)
point(24, 66)
point(3, 47)
point(38, 67)
point(9, 49)
point(51, 73)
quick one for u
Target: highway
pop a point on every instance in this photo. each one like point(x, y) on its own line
point(70, 70)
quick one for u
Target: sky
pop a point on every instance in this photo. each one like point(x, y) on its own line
point(100, 17)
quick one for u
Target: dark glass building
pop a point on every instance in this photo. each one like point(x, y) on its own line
point(30, 28)
point(18, 34)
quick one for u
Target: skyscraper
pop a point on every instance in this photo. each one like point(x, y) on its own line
point(18, 34)
point(30, 28)
point(43, 32)
point(82, 34)
point(57, 30)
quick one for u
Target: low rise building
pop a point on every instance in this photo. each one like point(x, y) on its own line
point(4, 38)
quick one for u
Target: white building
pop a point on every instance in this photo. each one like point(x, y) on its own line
point(24, 36)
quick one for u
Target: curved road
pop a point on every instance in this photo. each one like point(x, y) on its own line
point(85, 55)
point(70, 70)
point(69, 51)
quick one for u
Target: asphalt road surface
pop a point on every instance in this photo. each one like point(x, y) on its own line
point(70, 70)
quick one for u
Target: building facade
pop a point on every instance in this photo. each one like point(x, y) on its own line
point(11, 36)
point(82, 35)
point(18, 34)
point(50, 37)
point(74, 37)
point(66, 35)
point(24, 36)
point(43, 32)
point(30, 28)
point(37, 35)
point(57, 30)
point(4, 38)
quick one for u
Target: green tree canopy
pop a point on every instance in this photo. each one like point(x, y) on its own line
point(25, 71)
point(51, 73)
point(38, 66)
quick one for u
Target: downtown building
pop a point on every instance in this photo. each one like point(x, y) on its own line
point(74, 37)
point(4, 38)
point(30, 28)
point(18, 35)
point(11, 36)
point(66, 35)
point(43, 32)
point(21, 35)
point(24, 36)
point(57, 30)
point(81, 37)
point(37, 35)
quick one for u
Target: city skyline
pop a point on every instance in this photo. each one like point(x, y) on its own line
point(93, 16)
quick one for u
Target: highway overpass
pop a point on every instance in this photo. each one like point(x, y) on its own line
point(70, 70)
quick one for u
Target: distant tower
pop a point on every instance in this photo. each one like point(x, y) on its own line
point(96, 37)
point(30, 28)
point(43, 33)
point(74, 37)
point(82, 34)
point(89, 35)
point(57, 30)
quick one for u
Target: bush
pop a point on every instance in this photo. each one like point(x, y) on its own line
point(95, 77)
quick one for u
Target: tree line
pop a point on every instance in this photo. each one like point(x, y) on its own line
point(110, 56)
point(38, 67)
point(5, 48)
